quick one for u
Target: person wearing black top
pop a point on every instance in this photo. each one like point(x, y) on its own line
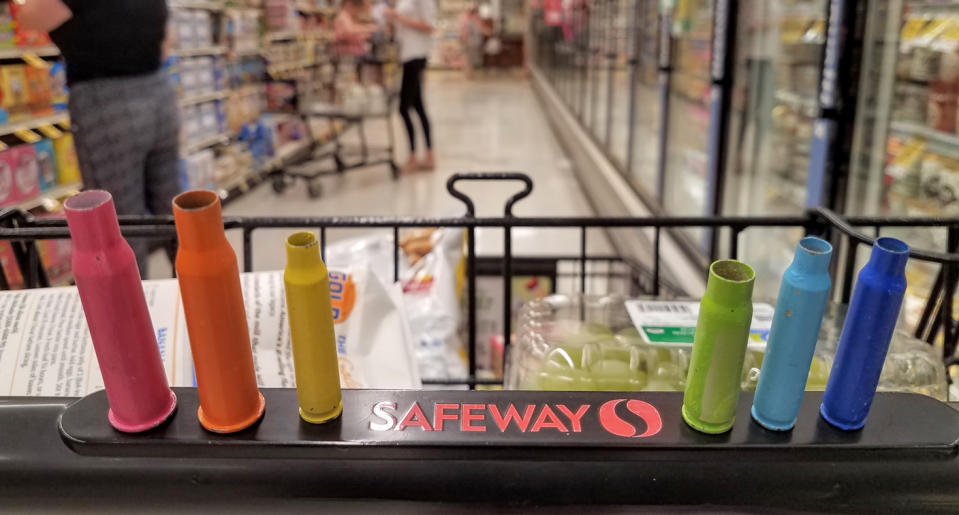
point(123, 108)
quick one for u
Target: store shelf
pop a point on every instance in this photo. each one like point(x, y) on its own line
point(242, 183)
point(198, 4)
point(232, 188)
point(194, 52)
point(942, 142)
point(51, 194)
point(33, 123)
point(205, 97)
point(249, 52)
point(219, 139)
point(807, 103)
point(307, 8)
point(285, 67)
point(18, 52)
point(288, 35)
point(282, 35)
point(929, 133)
point(914, 206)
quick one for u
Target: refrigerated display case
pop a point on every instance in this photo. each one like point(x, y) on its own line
point(644, 155)
point(685, 188)
point(600, 30)
point(622, 44)
point(906, 154)
point(776, 76)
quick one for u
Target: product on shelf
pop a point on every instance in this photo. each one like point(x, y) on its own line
point(56, 255)
point(47, 164)
point(9, 194)
point(13, 84)
point(7, 26)
point(26, 171)
point(39, 91)
point(941, 112)
point(26, 37)
point(281, 15)
point(58, 86)
point(910, 102)
point(8, 261)
point(197, 170)
point(233, 162)
point(281, 97)
point(68, 169)
point(241, 30)
point(260, 140)
point(243, 106)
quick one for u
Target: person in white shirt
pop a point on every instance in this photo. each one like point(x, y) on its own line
point(414, 21)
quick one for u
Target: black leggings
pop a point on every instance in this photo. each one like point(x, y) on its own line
point(411, 97)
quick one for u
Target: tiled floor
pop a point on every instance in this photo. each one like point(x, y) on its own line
point(488, 124)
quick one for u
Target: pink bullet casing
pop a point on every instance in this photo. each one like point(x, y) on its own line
point(107, 277)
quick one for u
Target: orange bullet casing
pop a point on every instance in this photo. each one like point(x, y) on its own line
point(215, 318)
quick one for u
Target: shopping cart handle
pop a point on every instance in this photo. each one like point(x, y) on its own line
point(489, 176)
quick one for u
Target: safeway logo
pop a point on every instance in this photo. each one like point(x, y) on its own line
point(614, 424)
point(528, 418)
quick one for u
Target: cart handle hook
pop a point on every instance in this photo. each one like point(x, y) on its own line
point(489, 176)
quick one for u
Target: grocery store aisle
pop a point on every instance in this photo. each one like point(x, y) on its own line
point(488, 124)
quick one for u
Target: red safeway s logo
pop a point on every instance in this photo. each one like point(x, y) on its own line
point(612, 422)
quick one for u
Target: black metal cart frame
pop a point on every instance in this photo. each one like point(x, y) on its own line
point(22, 230)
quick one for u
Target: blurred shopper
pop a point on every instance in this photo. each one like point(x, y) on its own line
point(123, 108)
point(414, 21)
point(472, 34)
point(350, 34)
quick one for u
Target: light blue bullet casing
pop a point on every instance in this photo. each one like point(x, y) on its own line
point(803, 294)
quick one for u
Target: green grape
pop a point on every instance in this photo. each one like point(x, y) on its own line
point(818, 375)
point(616, 375)
point(597, 329)
point(659, 385)
point(668, 377)
point(567, 353)
point(563, 380)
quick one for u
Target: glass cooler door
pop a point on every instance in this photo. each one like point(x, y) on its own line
point(777, 71)
point(905, 159)
point(685, 183)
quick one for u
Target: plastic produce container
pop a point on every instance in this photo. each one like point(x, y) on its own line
point(590, 343)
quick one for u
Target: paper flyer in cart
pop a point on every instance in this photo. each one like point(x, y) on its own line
point(46, 349)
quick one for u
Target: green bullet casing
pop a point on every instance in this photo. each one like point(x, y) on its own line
point(719, 348)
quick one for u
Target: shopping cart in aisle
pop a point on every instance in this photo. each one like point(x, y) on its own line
point(364, 106)
point(582, 271)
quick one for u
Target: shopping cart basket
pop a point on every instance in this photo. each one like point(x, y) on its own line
point(936, 322)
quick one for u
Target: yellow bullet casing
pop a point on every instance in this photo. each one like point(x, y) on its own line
point(308, 304)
